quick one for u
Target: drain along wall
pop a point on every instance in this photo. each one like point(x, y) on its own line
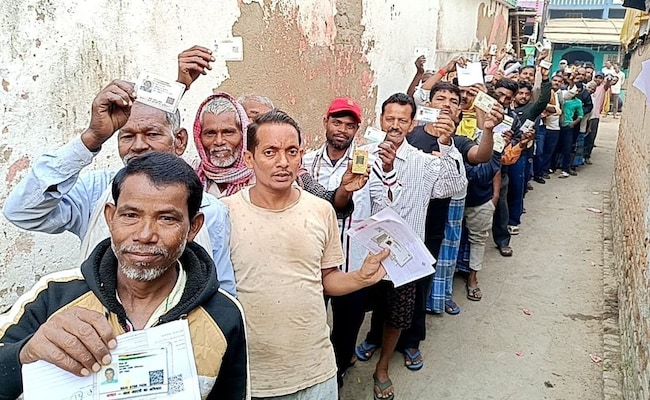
point(55, 55)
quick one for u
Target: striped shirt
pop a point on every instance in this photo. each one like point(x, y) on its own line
point(420, 178)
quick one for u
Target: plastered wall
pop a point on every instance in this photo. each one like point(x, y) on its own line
point(55, 55)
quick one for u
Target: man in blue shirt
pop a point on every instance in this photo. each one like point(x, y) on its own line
point(55, 196)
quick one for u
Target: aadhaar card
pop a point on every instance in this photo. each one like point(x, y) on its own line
point(359, 161)
point(374, 135)
point(484, 102)
point(158, 92)
point(134, 374)
point(427, 114)
point(231, 49)
point(504, 126)
point(499, 143)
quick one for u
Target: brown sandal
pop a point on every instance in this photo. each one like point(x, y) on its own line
point(506, 251)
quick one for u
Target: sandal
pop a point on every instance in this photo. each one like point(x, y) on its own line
point(410, 360)
point(451, 308)
point(364, 351)
point(506, 251)
point(382, 386)
point(474, 293)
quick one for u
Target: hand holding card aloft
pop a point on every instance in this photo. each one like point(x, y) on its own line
point(159, 92)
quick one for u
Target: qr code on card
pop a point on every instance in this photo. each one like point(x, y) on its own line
point(157, 377)
point(176, 384)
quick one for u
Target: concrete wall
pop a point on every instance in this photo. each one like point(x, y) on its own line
point(55, 55)
point(631, 216)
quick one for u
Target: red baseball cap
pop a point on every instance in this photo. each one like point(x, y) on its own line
point(345, 104)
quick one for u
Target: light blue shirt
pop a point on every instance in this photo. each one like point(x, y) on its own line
point(72, 198)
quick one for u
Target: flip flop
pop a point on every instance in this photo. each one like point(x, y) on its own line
point(474, 293)
point(382, 386)
point(365, 351)
point(451, 308)
point(410, 360)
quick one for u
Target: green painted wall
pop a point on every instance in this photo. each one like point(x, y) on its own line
point(599, 56)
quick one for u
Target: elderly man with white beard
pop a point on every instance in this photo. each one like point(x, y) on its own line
point(56, 196)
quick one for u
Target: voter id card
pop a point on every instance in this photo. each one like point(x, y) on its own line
point(359, 161)
point(231, 49)
point(499, 143)
point(504, 126)
point(427, 114)
point(484, 102)
point(374, 135)
point(158, 92)
point(545, 64)
point(134, 374)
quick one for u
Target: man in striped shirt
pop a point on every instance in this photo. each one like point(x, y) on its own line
point(419, 177)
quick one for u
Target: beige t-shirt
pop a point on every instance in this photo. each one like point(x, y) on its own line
point(278, 256)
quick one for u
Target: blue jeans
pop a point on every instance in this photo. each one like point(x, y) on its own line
point(565, 144)
point(516, 189)
point(578, 159)
point(550, 144)
point(538, 161)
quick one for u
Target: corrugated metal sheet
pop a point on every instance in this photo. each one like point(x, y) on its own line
point(584, 31)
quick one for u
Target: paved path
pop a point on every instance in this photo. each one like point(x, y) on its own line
point(556, 274)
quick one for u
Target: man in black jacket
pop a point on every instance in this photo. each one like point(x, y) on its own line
point(148, 273)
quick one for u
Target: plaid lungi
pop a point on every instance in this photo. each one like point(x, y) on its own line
point(441, 286)
point(463, 252)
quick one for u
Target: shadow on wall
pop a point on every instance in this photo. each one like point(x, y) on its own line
point(283, 62)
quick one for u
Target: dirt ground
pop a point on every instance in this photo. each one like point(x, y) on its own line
point(492, 349)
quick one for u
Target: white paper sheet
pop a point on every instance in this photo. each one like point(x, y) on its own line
point(163, 352)
point(642, 82)
point(409, 259)
point(470, 75)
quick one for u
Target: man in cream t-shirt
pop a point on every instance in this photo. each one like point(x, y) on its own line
point(285, 250)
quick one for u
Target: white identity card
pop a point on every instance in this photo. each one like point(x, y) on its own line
point(374, 135)
point(484, 102)
point(155, 363)
point(427, 114)
point(527, 126)
point(493, 50)
point(504, 126)
point(545, 64)
point(409, 258)
point(499, 142)
point(158, 92)
point(470, 75)
point(231, 49)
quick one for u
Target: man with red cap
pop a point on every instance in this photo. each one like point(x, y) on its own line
point(328, 165)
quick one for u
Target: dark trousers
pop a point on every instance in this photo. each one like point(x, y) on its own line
point(590, 139)
point(543, 161)
point(565, 145)
point(500, 224)
point(516, 188)
point(347, 316)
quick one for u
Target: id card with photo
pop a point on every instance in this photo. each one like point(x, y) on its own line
point(374, 135)
point(499, 143)
point(158, 92)
point(545, 64)
point(231, 49)
point(427, 114)
point(504, 126)
point(359, 161)
point(421, 51)
point(484, 102)
point(528, 125)
point(134, 374)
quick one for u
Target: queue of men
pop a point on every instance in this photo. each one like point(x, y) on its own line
point(248, 241)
